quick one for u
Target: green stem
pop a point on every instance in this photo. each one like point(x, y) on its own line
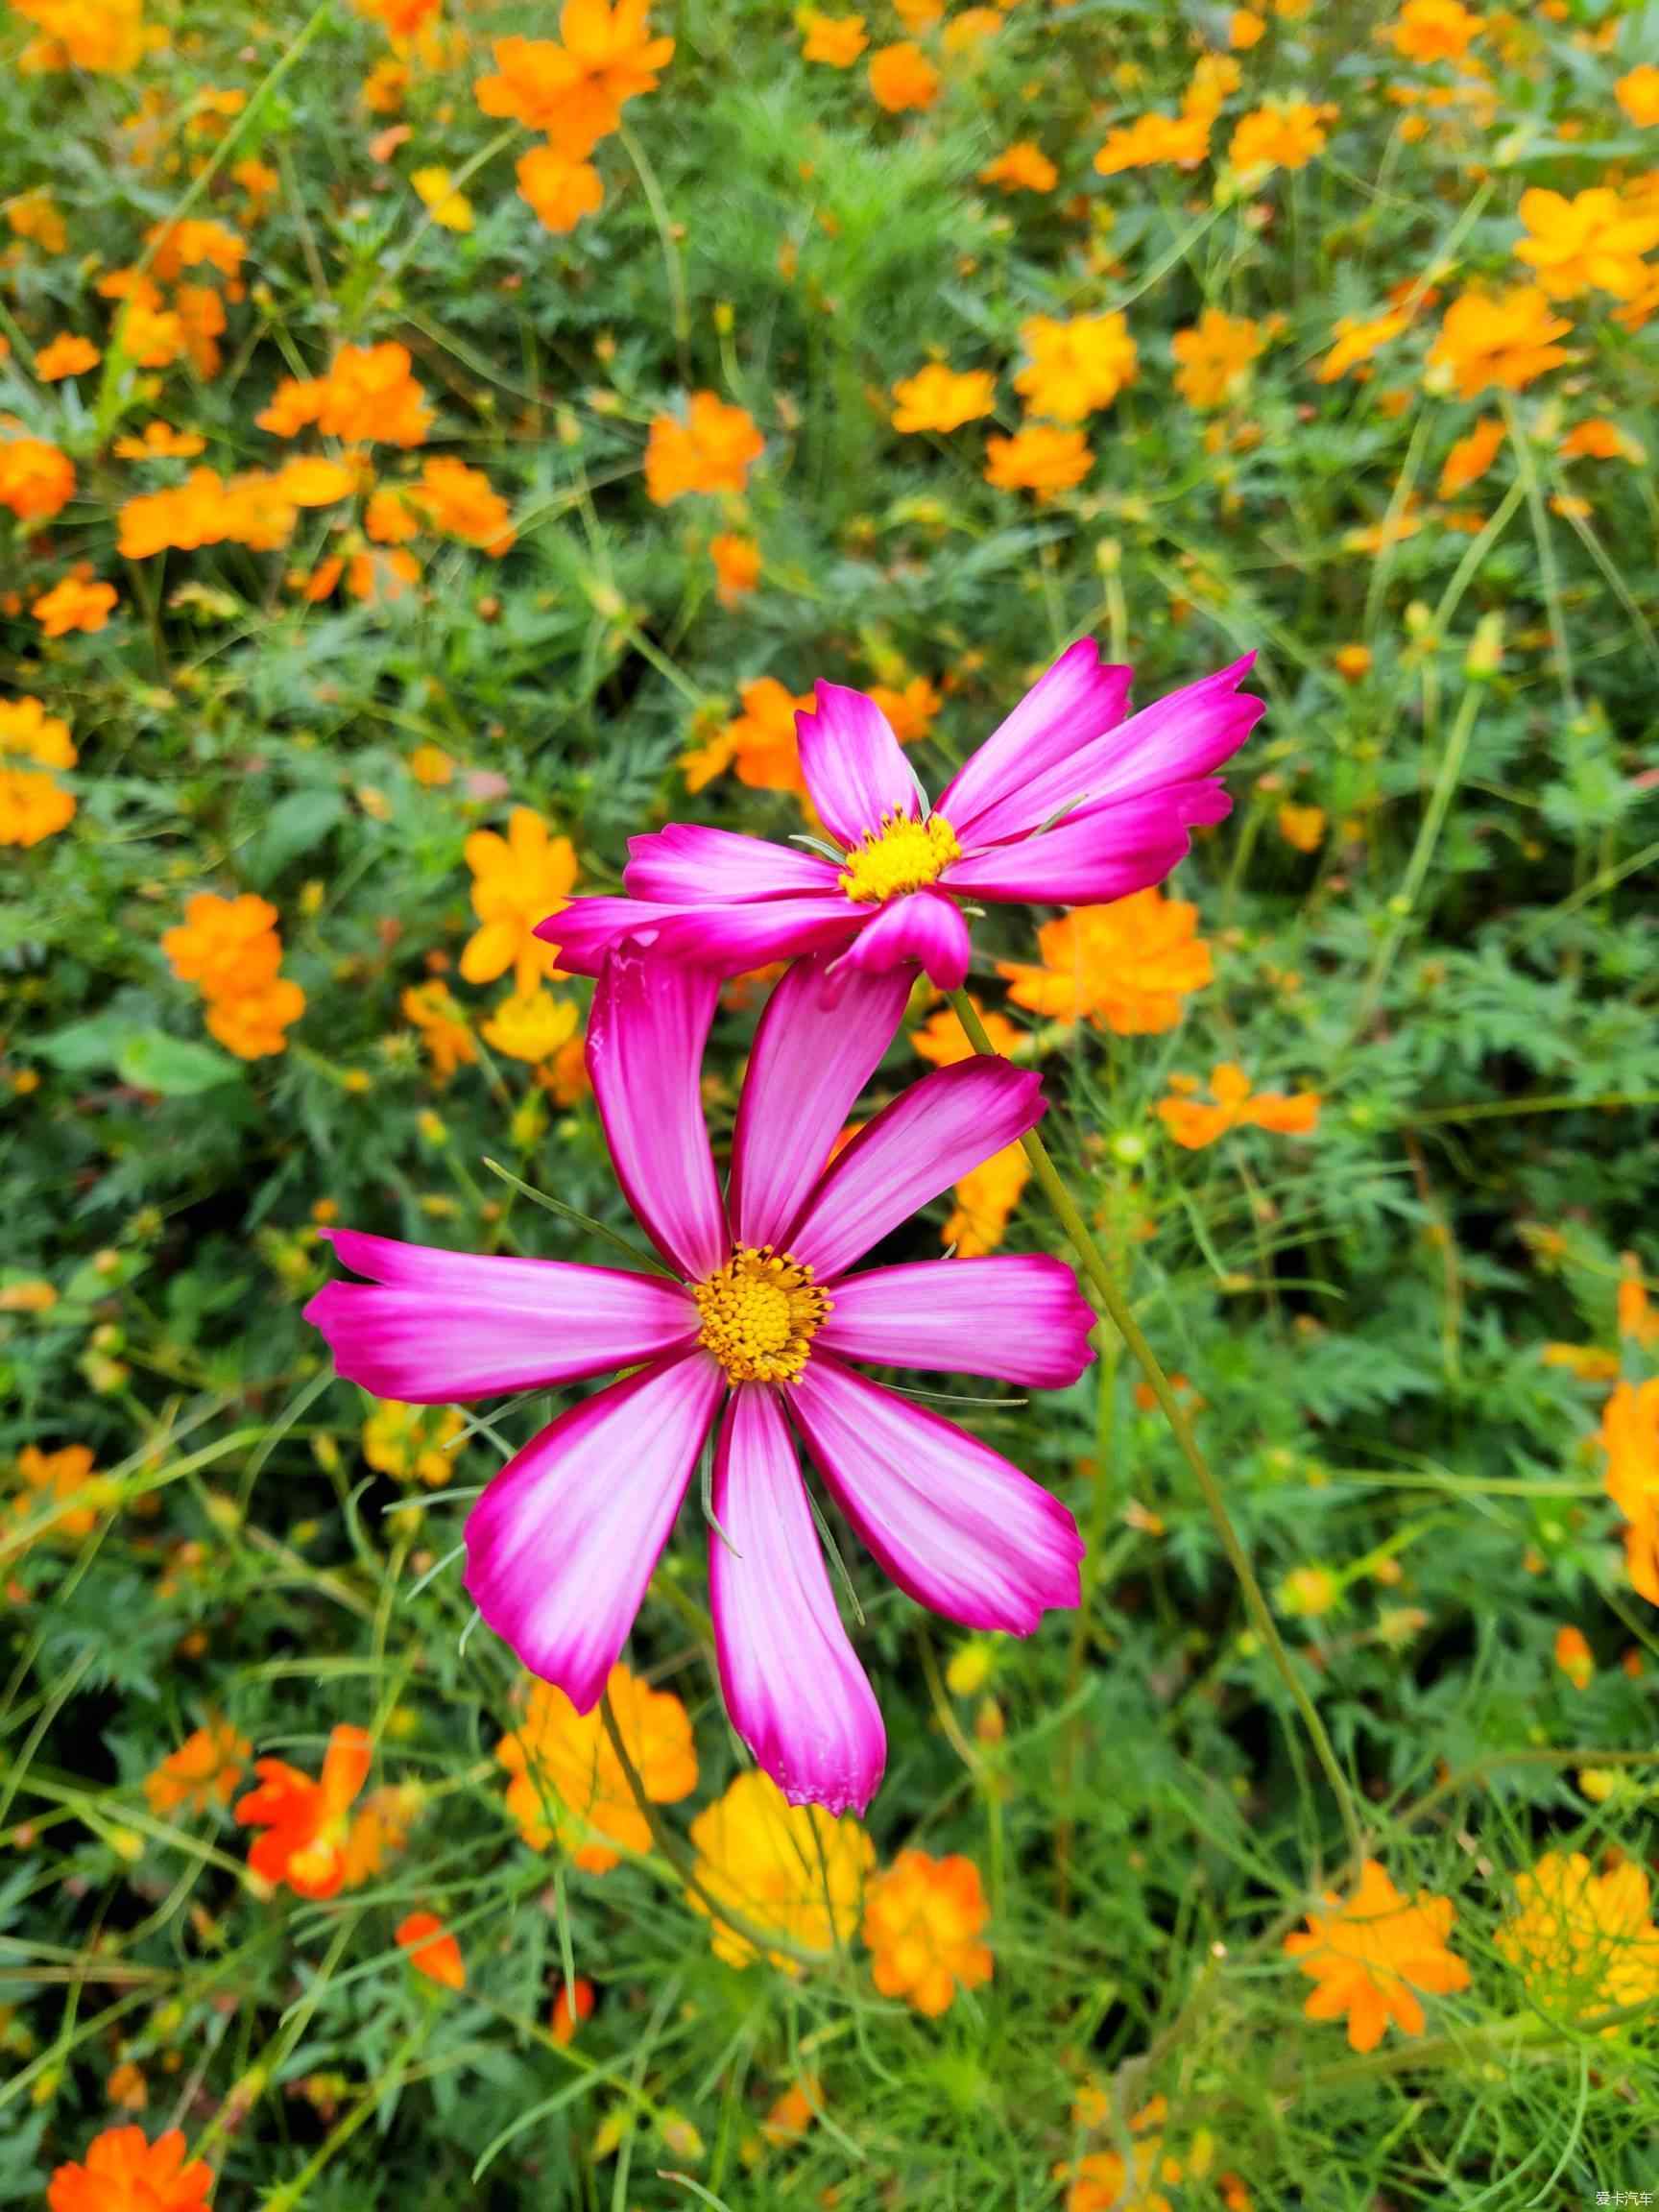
point(1095, 1265)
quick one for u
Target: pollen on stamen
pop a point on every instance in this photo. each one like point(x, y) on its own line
point(761, 1312)
point(902, 855)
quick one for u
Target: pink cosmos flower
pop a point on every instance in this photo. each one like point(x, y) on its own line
point(1067, 804)
point(753, 1332)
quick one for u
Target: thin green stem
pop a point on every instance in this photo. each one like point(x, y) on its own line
point(1122, 1314)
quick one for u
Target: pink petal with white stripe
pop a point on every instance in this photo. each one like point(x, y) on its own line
point(855, 767)
point(646, 1039)
point(924, 1140)
point(1017, 1315)
point(921, 929)
point(686, 863)
point(809, 1065)
point(1102, 854)
point(431, 1327)
point(1079, 698)
point(561, 1546)
point(953, 1523)
point(794, 1688)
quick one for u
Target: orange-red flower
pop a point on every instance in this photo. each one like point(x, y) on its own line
point(1470, 456)
point(1194, 1125)
point(66, 1484)
point(567, 1782)
point(432, 1950)
point(1126, 967)
point(1629, 1436)
point(1637, 93)
point(1498, 340)
point(73, 602)
point(902, 77)
point(226, 945)
point(568, 2016)
point(36, 479)
point(1023, 167)
point(923, 1920)
point(1075, 367)
point(1582, 1941)
point(986, 1197)
point(307, 1822)
point(760, 743)
point(368, 396)
point(560, 188)
point(1284, 134)
point(1374, 1956)
point(1432, 30)
point(1040, 459)
point(835, 40)
point(713, 450)
point(1358, 338)
point(576, 91)
point(736, 565)
point(125, 2172)
point(1215, 355)
point(1152, 139)
point(943, 1040)
point(66, 355)
point(203, 1772)
point(461, 502)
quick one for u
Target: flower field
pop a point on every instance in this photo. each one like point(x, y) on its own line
point(830, 1341)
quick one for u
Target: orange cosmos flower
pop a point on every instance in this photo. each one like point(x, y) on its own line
point(160, 442)
point(1104, 2181)
point(1214, 78)
point(713, 450)
point(1194, 1125)
point(943, 1040)
point(368, 396)
point(923, 1920)
point(194, 242)
point(398, 18)
point(1597, 438)
point(1372, 1957)
point(986, 1197)
point(567, 1782)
point(1152, 139)
point(461, 502)
point(1284, 134)
point(760, 743)
point(1023, 167)
point(443, 1032)
point(736, 565)
point(1582, 1942)
point(1038, 459)
point(1126, 967)
point(575, 92)
point(28, 733)
point(1591, 241)
point(432, 1950)
point(1432, 30)
point(74, 604)
point(1637, 93)
point(518, 881)
point(568, 2018)
point(1352, 663)
point(1246, 29)
point(836, 40)
point(902, 77)
point(1215, 355)
point(226, 945)
point(35, 215)
point(1358, 338)
point(790, 1870)
point(306, 1823)
point(203, 1772)
point(435, 189)
point(1498, 341)
point(125, 2172)
point(32, 808)
point(66, 355)
point(1574, 1657)
point(1629, 1436)
point(64, 1485)
point(1075, 367)
point(909, 707)
point(36, 479)
point(1303, 828)
point(558, 189)
point(940, 398)
point(1470, 456)
point(106, 37)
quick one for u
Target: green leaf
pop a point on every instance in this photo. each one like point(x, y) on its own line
point(174, 1066)
point(86, 1046)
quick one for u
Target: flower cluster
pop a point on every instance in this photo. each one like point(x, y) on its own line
point(231, 950)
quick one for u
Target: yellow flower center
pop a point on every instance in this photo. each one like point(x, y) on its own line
point(761, 1312)
point(901, 855)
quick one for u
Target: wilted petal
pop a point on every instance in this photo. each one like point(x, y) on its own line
point(794, 1688)
point(953, 1523)
point(923, 928)
point(1074, 702)
point(809, 1062)
point(646, 1039)
point(430, 1327)
point(1017, 1315)
point(561, 1546)
point(923, 1142)
point(855, 767)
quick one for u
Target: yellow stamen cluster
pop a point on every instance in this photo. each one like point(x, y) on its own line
point(901, 855)
point(761, 1312)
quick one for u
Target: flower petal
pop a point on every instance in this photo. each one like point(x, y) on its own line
point(921, 926)
point(561, 1546)
point(809, 1064)
point(1079, 698)
point(855, 767)
point(1102, 854)
point(431, 1327)
point(1171, 743)
point(728, 940)
point(646, 1039)
point(924, 1140)
point(794, 1688)
point(688, 864)
point(952, 1523)
point(1017, 1315)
